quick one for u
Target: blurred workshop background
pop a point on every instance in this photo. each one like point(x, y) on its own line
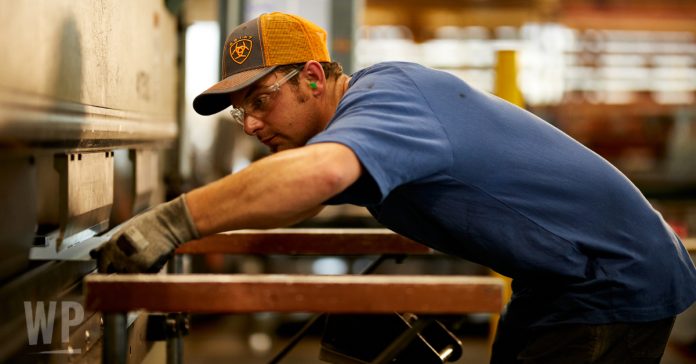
point(619, 76)
point(111, 83)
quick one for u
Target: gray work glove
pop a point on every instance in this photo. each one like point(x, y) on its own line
point(147, 241)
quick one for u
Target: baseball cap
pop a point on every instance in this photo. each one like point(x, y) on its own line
point(255, 48)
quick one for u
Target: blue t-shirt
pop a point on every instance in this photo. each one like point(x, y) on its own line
point(471, 175)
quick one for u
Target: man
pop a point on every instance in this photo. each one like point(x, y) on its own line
point(598, 276)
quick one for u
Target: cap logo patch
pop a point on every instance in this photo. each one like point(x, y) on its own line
point(240, 49)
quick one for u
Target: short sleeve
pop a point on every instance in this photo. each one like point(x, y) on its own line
point(391, 128)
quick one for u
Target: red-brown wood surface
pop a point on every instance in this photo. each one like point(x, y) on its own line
point(320, 241)
point(207, 293)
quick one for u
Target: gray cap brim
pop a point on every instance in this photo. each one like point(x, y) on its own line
point(217, 97)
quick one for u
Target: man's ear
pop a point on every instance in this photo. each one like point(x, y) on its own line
point(314, 76)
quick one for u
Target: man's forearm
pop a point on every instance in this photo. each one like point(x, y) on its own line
point(277, 191)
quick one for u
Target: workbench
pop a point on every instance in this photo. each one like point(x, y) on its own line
point(116, 295)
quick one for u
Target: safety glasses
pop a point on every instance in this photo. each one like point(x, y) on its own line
point(261, 101)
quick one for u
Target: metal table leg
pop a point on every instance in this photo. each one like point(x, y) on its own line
point(115, 344)
point(175, 345)
point(402, 342)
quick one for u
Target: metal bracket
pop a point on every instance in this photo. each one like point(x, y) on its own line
point(75, 203)
point(161, 327)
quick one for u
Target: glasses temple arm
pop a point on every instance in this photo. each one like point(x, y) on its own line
point(285, 79)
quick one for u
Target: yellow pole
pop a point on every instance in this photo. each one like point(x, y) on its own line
point(506, 87)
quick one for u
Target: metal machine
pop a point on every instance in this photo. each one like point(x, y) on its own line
point(88, 105)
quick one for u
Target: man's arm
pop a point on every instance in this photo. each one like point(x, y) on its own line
point(276, 191)
point(279, 190)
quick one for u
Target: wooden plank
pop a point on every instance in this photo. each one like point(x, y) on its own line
point(305, 242)
point(208, 293)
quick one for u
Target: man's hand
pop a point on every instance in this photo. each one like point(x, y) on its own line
point(147, 241)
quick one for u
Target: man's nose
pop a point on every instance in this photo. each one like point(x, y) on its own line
point(252, 124)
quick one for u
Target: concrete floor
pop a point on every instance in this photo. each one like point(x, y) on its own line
point(219, 339)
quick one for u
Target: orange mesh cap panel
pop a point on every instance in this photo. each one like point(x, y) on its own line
point(291, 39)
point(254, 48)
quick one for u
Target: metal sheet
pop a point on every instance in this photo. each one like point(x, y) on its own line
point(73, 81)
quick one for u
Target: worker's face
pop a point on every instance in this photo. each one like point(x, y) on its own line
point(281, 119)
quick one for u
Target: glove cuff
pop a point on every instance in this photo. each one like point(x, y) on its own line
point(189, 220)
point(176, 216)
